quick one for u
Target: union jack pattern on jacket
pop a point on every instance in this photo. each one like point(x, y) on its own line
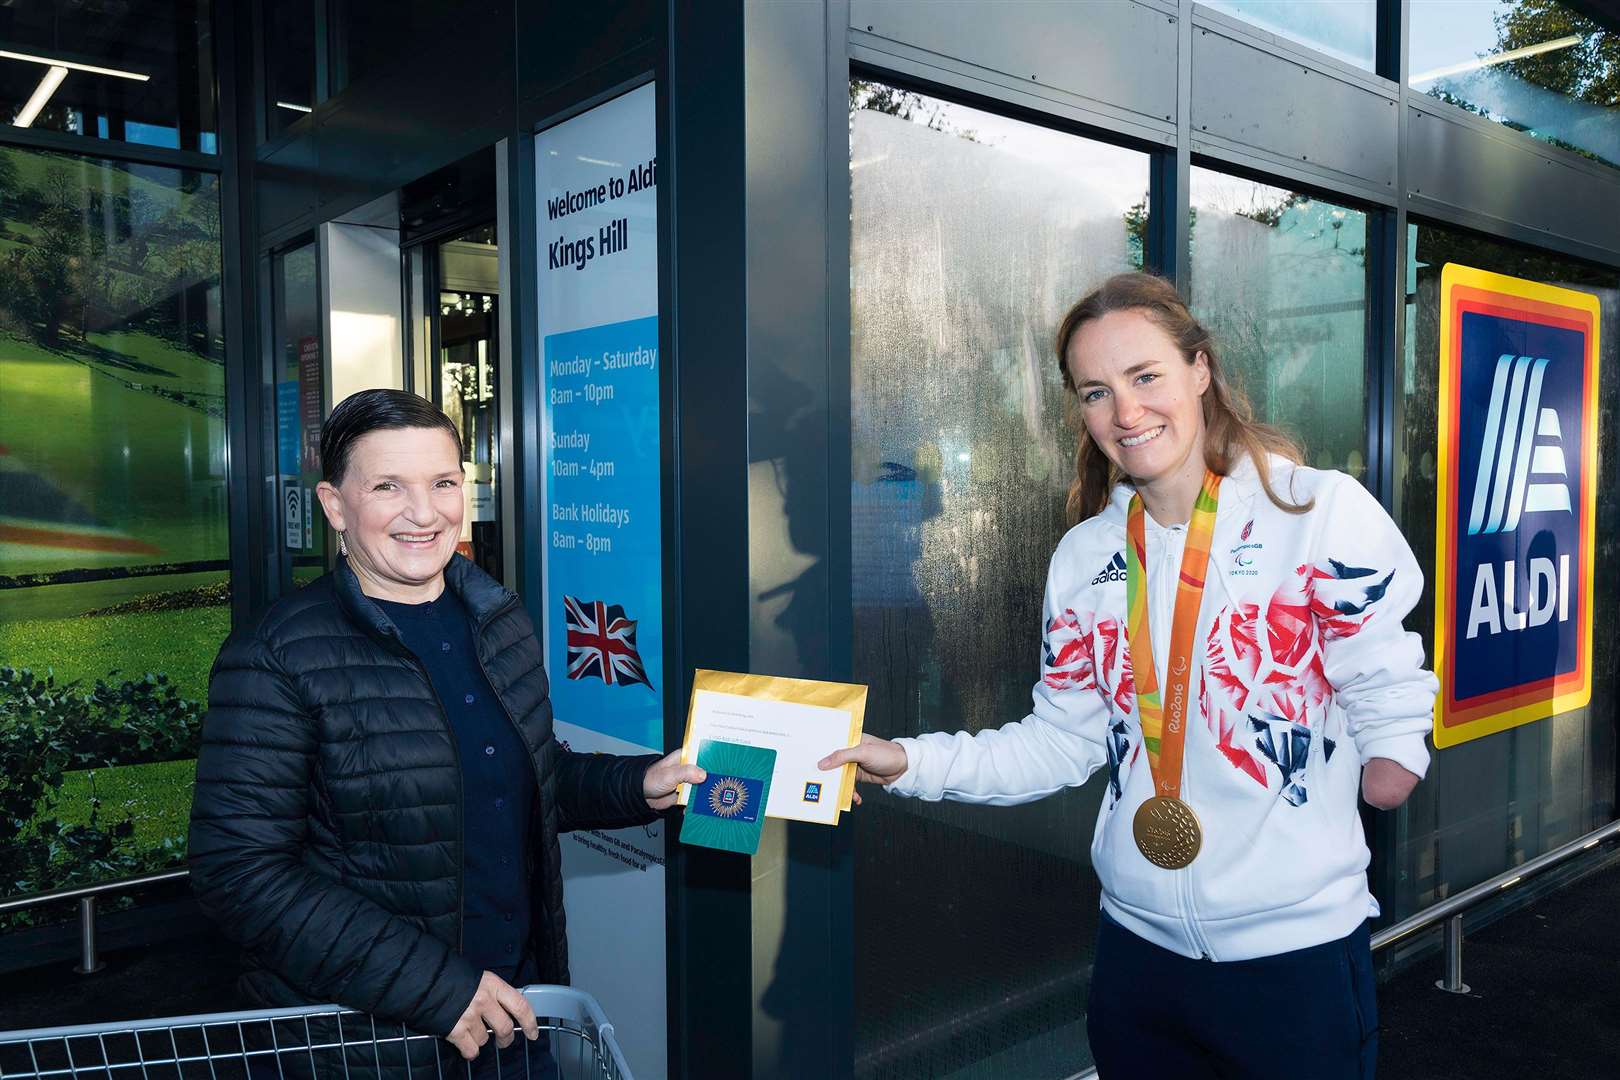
point(1260, 692)
point(1303, 674)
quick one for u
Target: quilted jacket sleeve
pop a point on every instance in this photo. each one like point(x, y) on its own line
point(602, 791)
point(251, 874)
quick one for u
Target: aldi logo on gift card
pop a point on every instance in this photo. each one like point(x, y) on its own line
point(1515, 503)
point(731, 798)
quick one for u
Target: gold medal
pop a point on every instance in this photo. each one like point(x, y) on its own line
point(1167, 832)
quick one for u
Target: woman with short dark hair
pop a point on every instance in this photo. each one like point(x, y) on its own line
point(379, 792)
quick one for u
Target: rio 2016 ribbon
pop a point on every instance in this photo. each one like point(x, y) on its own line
point(1167, 831)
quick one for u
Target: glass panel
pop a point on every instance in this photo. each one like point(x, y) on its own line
point(1344, 29)
point(113, 531)
point(300, 409)
point(971, 236)
point(420, 312)
point(140, 71)
point(1494, 802)
point(469, 354)
point(367, 37)
point(360, 268)
point(1280, 279)
point(289, 63)
point(1533, 65)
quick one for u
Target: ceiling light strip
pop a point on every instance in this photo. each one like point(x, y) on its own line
point(74, 65)
point(42, 93)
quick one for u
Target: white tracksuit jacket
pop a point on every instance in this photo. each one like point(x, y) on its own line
point(1304, 673)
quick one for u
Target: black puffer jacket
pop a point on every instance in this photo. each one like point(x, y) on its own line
point(326, 828)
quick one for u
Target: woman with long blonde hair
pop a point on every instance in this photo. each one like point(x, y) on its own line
point(1222, 632)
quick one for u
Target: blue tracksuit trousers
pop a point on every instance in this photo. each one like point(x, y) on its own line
point(1310, 1014)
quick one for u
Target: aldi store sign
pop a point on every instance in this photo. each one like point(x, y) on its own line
point(1516, 500)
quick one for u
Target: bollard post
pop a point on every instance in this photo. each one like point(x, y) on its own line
point(1452, 983)
point(89, 962)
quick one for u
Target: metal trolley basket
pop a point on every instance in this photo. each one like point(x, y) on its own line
point(320, 1042)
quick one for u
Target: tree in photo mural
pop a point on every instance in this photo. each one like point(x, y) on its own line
point(53, 265)
point(8, 189)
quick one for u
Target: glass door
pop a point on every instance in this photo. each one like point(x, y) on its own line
point(301, 405)
point(461, 294)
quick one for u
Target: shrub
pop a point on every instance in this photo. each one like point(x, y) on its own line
point(48, 729)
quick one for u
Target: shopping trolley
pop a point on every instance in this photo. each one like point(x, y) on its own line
point(321, 1042)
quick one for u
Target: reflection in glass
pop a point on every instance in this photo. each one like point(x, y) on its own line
point(300, 410)
point(113, 530)
point(1344, 29)
point(1495, 802)
point(1533, 65)
point(1280, 279)
point(289, 64)
point(367, 37)
point(139, 71)
point(465, 381)
point(971, 235)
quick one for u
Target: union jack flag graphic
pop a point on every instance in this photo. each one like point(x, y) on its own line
point(602, 643)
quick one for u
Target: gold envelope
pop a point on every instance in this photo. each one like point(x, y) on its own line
point(845, 697)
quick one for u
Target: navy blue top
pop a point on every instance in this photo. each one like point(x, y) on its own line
point(497, 786)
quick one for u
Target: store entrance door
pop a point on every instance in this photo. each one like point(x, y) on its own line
point(456, 289)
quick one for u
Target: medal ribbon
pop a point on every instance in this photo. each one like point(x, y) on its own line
point(1165, 736)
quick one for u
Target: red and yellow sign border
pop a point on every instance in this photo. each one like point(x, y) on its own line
point(1464, 289)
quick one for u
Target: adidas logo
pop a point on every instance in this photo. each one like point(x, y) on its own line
point(1114, 571)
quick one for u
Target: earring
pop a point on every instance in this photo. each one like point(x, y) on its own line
point(343, 547)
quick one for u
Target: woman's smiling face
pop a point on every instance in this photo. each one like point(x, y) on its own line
point(1139, 397)
point(399, 506)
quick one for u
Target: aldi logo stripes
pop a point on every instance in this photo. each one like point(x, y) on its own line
point(1505, 450)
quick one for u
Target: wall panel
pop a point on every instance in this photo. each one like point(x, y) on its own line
point(1464, 164)
point(1304, 118)
point(1111, 64)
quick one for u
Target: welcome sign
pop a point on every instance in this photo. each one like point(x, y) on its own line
point(601, 483)
point(1516, 500)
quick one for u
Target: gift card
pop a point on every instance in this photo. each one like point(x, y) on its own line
point(727, 810)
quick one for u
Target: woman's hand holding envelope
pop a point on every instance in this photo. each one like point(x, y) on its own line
point(877, 761)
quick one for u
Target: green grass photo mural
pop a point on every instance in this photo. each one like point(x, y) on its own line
point(113, 536)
